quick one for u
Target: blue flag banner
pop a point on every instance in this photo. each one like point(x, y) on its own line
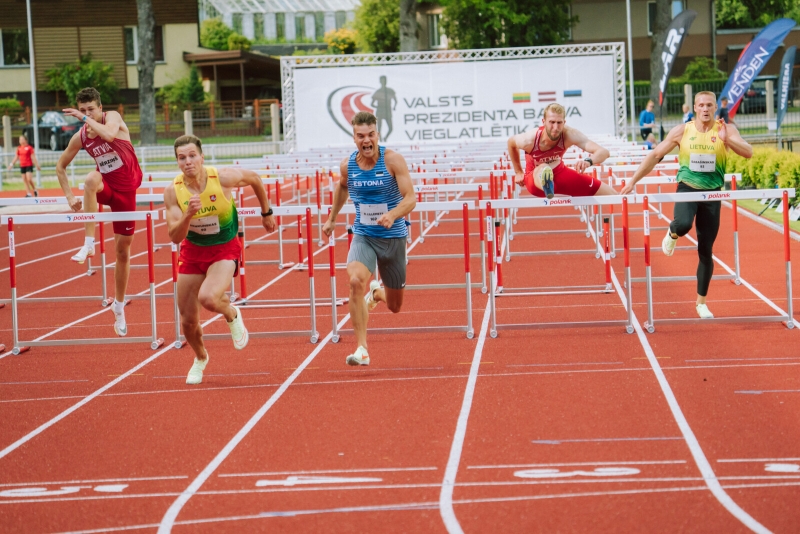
point(785, 82)
point(753, 58)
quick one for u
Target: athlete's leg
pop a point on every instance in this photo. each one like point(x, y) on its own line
point(212, 294)
point(389, 124)
point(92, 186)
point(392, 266)
point(707, 226)
point(606, 189)
point(684, 214)
point(189, 307)
point(359, 276)
point(122, 269)
point(28, 179)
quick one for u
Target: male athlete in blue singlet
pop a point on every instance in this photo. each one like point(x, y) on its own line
point(377, 180)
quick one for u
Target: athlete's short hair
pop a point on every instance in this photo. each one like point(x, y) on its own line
point(558, 109)
point(708, 93)
point(364, 117)
point(188, 140)
point(88, 94)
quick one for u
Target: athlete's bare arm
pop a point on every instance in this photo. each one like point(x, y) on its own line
point(35, 161)
point(397, 167)
point(340, 195)
point(666, 146)
point(733, 140)
point(230, 177)
point(597, 153)
point(523, 141)
point(114, 128)
point(177, 220)
point(64, 160)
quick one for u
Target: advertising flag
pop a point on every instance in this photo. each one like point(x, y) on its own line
point(785, 82)
point(676, 32)
point(752, 59)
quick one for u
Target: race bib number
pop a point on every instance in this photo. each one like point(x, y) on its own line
point(702, 162)
point(110, 161)
point(370, 213)
point(205, 225)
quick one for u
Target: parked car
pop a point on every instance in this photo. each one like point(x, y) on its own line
point(55, 130)
point(755, 98)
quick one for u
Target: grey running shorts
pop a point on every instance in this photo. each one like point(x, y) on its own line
point(389, 255)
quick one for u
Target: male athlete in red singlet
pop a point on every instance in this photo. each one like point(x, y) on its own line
point(545, 172)
point(106, 138)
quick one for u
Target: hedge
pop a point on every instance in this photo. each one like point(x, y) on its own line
point(768, 168)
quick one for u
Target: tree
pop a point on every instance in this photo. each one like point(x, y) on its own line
point(495, 24)
point(409, 29)
point(663, 19)
point(214, 34)
point(701, 69)
point(188, 90)
point(146, 68)
point(377, 26)
point(238, 42)
point(83, 72)
point(733, 14)
point(341, 41)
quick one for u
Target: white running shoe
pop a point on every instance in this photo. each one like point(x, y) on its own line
point(120, 326)
point(370, 298)
point(195, 375)
point(238, 331)
point(704, 312)
point(668, 244)
point(359, 357)
point(82, 254)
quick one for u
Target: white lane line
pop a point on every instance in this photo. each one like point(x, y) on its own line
point(593, 440)
point(742, 359)
point(759, 460)
point(636, 462)
point(764, 222)
point(691, 440)
point(43, 382)
point(762, 391)
point(169, 518)
point(381, 370)
point(448, 483)
point(53, 236)
point(224, 374)
point(322, 471)
point(560, 364)
point(96, 481)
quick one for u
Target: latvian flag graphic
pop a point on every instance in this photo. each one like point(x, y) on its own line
point(547, 96)
point(521, 98)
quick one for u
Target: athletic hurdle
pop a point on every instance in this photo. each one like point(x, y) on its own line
point(711, 196)
point(495, 260)
point(467, 285)
point(22, 346)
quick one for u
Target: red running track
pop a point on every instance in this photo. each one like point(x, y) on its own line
point(564, 429)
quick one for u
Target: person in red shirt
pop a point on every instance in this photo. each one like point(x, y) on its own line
point(106, 138)
point(27, 159)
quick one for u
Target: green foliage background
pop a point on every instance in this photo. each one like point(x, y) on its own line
point(377, 26)
point(83, 72)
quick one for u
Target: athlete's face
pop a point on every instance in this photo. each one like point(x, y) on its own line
point(91, 109)
point(366, 138)
point(190, 160)
point(553, 125)
point(705, 107)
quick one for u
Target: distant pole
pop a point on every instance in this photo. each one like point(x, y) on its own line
point(630, 70)
point(33, 88)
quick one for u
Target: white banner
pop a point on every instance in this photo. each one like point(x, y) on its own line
point(456, 101)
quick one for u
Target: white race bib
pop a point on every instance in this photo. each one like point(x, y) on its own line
point(110, 161)
point(205, 225)
point(702, 162)
point(370, 213)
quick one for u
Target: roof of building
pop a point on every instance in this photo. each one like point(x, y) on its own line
point(283, 6)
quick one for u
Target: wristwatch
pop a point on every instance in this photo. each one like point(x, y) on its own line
point(589, 161)
point(84, 118)
point(267, 214)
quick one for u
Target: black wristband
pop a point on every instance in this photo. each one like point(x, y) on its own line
point(267, 214)
point(589, 161)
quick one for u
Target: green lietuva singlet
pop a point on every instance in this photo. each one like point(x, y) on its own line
point(702, 158)
point(217, 221)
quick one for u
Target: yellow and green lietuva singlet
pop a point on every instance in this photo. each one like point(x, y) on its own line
point(217, 221)
point(702, 158)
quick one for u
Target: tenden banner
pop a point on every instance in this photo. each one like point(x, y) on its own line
point(676, 33)
point(752, 59)
point(785, 82)
point(453, 101)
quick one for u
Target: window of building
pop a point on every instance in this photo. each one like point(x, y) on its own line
point(132, 45)
point(677, 8)
point(434, 33)
point(568, 9)
point(13, 47)
point(280, 26)
point(341, 19)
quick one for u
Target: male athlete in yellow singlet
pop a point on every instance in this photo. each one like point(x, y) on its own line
point(703, 146)
point(202, 217)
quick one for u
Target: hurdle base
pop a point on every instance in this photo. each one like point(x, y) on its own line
point(16, 351)
point(88, 341)
point(157, 343)
point(730, 277)
point(571, 324)
point(314, 336)
point(418, 329)
point(739, 319)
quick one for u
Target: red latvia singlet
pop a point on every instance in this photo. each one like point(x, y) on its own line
point(116, 161)
point(537, 156)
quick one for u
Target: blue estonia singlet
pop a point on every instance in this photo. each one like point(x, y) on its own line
point(374, 192)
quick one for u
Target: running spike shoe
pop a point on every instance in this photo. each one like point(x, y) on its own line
point(546, 177)
point(668, 244)
point(195, 375)
point(370, 296)
point(704, 312)
point(238, 331)
point(359, 357)
point(82, 254)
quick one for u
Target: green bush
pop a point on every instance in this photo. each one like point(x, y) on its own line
point(341, 41)
point(188, 90)
point(768, 168)
point(9, 105)
point(238, 42)
point(83, 72)
point(214, 34)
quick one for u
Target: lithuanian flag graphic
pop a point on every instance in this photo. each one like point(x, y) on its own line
point(521, 98)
